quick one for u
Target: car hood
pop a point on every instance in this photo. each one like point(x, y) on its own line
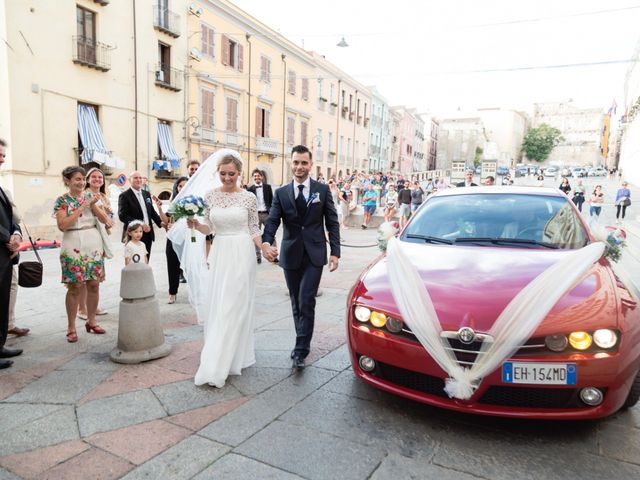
point(471, 286)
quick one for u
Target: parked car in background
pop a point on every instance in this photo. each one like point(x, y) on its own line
point(551, 171)
point(596, 172)
point(521, 171)
point(565, 172)
point(578, 172)
point(502, 170)
point(478, 170)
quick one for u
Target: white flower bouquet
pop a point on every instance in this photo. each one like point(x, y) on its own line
point(614, 240)
point(385, 232)
point(188, 207)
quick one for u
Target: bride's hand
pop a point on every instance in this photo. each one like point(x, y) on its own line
point(193, 223)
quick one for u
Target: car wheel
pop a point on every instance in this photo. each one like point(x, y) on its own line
point(634, 393)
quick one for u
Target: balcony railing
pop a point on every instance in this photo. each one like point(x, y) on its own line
point(332, 108)
point(166, 21)
point(167, 77)
point(267, 145)
point(88, 52)
point(107, 171)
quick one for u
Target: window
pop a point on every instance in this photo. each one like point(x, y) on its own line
point(291, 130)
point(265, 70)
point(262, 122)
point(86, 31)
point(305, 89)
point(232, 115)
point(207, 109)
point(164, 58)
point(349, 153)
point(292, 83)
point(330, 142)
point(320, 95)
point(232, 53)
point(331, 94)
point(303, 132)
point(207, 42)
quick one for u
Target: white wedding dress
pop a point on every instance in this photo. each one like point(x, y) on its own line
point(227, 308)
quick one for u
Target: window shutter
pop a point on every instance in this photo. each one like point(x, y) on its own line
point(267, 119)
point(225, 50)
point(259, 131)
point(290, 131)
point(229, 107)
point(268, 70)
point(292, 83)
point(305, 89)
point(303, 133)
point(204, 39)
point(240, 57)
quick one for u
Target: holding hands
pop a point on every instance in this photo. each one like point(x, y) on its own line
point(269, 252)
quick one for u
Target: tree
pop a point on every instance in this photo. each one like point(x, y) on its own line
point(477, 161)
point(539, 142)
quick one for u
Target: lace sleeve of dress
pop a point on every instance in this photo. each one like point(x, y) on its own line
point(208, 201)
point(252, 207)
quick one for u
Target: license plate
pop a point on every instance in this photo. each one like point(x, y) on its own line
point(539, 373)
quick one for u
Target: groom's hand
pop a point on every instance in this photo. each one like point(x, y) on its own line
point(333, 263)
point(269, 252)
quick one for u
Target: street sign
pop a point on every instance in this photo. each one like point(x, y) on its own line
point(121, 180)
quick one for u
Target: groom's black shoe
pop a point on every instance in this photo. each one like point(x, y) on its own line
point(10, 352)
point(298, 363)
point(5, 364)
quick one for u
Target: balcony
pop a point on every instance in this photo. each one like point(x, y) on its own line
point(345, 110)
point(166, 21)
point(92, 54)
point(267, 145)
point(208, 135)
point(366, 122)
point(332, 108)
point(106, 170)
point(232, 138)
point(169, 78)
point(102, 2)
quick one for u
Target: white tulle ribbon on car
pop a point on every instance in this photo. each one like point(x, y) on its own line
point(515, 325)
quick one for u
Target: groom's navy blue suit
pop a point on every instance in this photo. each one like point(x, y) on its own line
point(304, 249)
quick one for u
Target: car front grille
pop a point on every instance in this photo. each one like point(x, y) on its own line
point(503, 396)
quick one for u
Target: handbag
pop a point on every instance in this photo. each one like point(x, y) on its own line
point(625, 202)
point(30, 273)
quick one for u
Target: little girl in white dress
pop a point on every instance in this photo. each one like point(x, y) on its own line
point(134, 245)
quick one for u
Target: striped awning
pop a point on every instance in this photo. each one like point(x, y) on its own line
point(93, 146)
point(170, 158)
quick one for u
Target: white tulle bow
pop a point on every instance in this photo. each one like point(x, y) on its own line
point(515, 325)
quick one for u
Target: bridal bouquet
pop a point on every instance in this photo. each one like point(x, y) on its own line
point(188, 206)
point(614, 240)
point(385, 232)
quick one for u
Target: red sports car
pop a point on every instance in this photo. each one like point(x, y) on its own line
point(475, 249)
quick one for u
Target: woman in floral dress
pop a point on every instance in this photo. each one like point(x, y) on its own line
point(82, 254)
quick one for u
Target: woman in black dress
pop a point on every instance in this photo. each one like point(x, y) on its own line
point(173, 263)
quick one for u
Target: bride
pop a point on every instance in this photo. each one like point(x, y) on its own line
point(224, 293)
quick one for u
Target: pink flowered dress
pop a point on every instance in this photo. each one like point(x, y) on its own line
point(82, 254)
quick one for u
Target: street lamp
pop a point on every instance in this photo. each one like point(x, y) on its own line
point(342, 43)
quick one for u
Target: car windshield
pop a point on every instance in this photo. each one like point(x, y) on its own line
point(496, 219)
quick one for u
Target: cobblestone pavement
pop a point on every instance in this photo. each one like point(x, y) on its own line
point(67, 411)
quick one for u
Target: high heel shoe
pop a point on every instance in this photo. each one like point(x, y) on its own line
point(94, 329)
point(72, 337)
point(172, 299)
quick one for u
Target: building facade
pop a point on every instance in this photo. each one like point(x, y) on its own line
point(99, 89)
point(409, 136)
point(506, 129)
point(380, 133)
point(458, 140)
point(626, 150)
point(581, 129)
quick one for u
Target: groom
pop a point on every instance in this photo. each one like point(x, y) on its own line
point(305, 207)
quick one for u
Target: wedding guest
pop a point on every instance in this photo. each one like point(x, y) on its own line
point(596, 201)
point(468, 180)
point(335, 196)
point(264, 196)
point(346, 197)
point(81, 253)
point(578, 195)
point(489, 181)
point(136, 204)
point(564, 186)
point(370, 202)
point(134, 245)
point(417, 196)
point(391, 203)
point(623, 200)
point(192, 167)
point(404, 203)
point(13, 329)
point(95, 185)
point(10, 238)
point(540, 181)
point(173, 262)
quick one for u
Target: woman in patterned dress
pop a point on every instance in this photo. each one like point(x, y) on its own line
point(82, 254)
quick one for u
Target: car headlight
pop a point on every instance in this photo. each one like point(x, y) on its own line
point(394, 325)
point(556, 343)
point(378, 319)
point(605, 338)
point(580, 340)
point(362, 313)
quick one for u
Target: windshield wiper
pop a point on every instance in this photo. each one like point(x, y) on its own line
point(429, 239)
point(505, 241)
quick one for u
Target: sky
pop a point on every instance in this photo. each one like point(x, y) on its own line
point(443, 56)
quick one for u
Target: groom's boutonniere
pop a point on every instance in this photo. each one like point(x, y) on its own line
point(315, 198)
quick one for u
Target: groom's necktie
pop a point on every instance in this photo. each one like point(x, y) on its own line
point(301, 203)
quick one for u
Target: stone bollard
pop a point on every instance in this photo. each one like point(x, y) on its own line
point(140, 334)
